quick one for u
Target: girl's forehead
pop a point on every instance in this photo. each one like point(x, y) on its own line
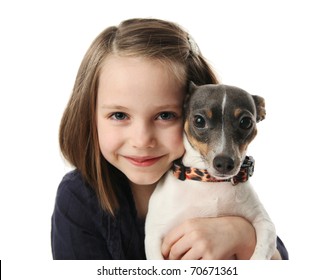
point(137, 77)
point(126, 65)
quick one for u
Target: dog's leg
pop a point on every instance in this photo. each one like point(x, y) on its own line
point(266, 238)
point(250, 207)
point(153, 244)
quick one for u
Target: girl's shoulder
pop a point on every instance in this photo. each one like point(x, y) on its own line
point(74, 184)
point(76, 197)
point(78, 221)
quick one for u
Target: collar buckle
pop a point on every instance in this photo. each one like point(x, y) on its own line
point(246, 171)
point(248, 164)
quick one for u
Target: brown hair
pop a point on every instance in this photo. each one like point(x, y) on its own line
point(150, 38)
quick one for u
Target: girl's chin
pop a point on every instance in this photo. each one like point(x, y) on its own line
point(143, 181)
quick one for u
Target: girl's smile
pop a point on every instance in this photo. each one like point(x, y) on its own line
point(143, 161)
point(139, 117)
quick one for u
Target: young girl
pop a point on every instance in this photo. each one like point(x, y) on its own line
point(121, 130)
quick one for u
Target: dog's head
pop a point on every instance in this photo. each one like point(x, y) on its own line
point(220, 123)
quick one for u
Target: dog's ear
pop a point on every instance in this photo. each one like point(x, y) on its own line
point(192, 87)
point(260, 106)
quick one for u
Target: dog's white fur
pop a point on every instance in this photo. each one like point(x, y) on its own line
point(175, 201)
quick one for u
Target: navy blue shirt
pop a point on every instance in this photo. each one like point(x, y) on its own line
point(81, 229)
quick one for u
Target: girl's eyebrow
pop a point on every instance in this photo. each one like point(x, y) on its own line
point(161, 107)
point(111, 106)
point(168, 106)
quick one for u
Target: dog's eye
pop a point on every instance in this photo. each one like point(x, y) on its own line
point(245, 123)
point(199, 121)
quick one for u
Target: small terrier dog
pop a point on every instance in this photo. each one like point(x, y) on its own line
point(211, 179)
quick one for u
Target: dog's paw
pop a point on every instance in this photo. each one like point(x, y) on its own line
point(158, 256)
point(261, 255)
point(258, 257)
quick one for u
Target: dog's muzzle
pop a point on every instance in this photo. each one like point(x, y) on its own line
point(183, 172)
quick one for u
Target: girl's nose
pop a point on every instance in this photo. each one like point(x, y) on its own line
point(143, 136)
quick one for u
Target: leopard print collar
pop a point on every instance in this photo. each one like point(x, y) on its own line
point(183, 172)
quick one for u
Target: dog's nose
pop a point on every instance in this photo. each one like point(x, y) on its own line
point(223, 164)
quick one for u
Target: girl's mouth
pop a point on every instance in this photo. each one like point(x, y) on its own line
point(143, 161)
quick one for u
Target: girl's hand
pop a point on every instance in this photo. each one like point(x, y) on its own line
point(219, 238)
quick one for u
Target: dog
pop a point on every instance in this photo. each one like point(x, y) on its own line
point(211, 179)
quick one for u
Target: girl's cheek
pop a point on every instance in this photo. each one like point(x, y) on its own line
point(179, 144)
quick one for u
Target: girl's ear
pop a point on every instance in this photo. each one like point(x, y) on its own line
point(260, 107)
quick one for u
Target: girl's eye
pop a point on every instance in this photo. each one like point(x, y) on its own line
point(166, 116)
point(119, 116)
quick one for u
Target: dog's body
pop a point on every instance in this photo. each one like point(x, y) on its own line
point(219, 125)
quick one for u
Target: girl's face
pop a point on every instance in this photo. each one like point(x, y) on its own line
point(139, 117)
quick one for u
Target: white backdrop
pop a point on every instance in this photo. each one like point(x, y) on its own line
point(281, 50)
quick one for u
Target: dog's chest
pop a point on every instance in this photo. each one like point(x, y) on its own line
point(197, 198)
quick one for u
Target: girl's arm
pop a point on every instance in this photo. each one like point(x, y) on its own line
point(214, 238)
point(76, 234)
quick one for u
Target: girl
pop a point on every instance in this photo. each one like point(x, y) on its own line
point(121, 130)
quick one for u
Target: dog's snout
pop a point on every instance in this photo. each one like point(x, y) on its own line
point(223, 164)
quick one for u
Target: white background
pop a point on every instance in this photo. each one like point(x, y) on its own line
point(281, 50)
